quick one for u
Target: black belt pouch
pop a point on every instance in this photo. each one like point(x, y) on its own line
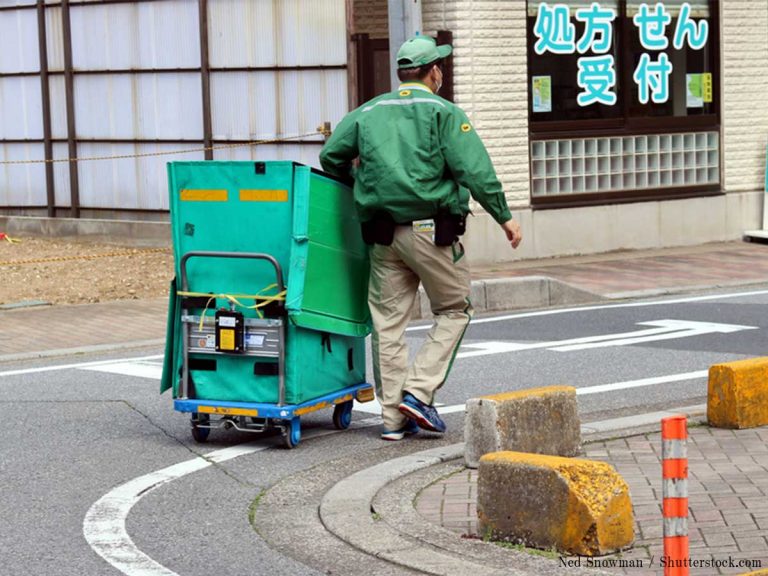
point(379, 230)
point(448, 227)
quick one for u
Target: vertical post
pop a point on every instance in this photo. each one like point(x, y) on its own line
point(404, 22)
point(205, 76)
point(674, 454)
point(446, 37)
point(46, 102)
point(69, 89)
point(352, 52)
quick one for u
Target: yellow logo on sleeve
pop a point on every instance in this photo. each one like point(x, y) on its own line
point(466, 127)
point(405, 93)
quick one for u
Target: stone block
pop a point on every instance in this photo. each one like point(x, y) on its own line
point(539, 420)
point(738, 394)
point(549, 502)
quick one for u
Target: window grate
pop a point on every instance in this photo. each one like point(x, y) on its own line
point(614, 164)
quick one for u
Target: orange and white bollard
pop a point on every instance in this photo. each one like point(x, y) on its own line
point(674, 454)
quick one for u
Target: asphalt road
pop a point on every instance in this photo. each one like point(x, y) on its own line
point(78, 434)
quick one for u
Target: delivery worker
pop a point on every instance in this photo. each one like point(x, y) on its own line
point(418, 155)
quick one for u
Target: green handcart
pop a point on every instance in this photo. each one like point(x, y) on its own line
point(268, 314)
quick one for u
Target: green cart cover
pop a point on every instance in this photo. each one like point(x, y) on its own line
point(304, 219)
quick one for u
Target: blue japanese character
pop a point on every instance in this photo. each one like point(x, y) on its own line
point(554, 30)
point(653, 77)
point(697, 36)
point(653, 26)
point(596, 21)
point(596, 76)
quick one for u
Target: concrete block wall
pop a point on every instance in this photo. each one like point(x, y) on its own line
point(744, 67)
point(490, 80)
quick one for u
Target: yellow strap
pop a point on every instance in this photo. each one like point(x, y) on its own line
point(267, 299)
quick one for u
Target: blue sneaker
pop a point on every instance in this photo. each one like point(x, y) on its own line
point(424, 415)
point(410, 428)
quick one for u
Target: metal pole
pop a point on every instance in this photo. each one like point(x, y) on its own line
point(69, 89)
point(674, 454)
point(205, 76)
point(404, 22)
point(46, 102)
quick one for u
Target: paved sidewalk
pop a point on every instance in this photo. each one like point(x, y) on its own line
point(728, 503)
point(634, 273)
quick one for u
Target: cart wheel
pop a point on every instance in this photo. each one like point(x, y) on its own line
point(200, 434)
point(292, 433)
point(342, 415)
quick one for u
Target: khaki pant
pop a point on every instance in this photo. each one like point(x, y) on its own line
point(395, 274)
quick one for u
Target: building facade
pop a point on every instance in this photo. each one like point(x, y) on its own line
point(595, 178)
point(613, 124)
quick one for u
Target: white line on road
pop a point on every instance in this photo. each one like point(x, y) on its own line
point(549, 312)
point(640, 383)
point(104, 524)
point(73, 366)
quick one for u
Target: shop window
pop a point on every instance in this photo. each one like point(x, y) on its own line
point(623, 100)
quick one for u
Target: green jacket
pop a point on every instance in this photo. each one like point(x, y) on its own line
point(418, 156)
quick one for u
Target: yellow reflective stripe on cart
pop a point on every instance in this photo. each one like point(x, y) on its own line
point(263, 195)
point(204, 195)
point(321, 405)
point(227, 411)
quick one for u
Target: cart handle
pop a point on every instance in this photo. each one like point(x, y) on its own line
point(251, 255)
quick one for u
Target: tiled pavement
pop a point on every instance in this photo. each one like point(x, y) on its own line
point(728, 497)
point(614, 274)
point(41, 330)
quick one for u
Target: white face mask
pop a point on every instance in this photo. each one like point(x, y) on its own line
point(439, 83)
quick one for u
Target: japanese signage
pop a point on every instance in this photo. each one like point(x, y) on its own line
point(556, 34)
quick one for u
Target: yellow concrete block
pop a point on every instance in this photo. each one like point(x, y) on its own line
point(517, 394)
point(540, 420)
point(575, 506)
point(738, 394)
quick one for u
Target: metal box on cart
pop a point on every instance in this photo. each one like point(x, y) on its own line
point(268, 310)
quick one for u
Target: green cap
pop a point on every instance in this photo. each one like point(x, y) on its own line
point(420, 51)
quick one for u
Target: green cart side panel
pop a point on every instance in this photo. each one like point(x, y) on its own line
point(316, 364)
point(336, 276)
point(172, 328)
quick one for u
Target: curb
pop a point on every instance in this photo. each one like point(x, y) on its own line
point(125, 232)
point(522, 292)
point(346, 509)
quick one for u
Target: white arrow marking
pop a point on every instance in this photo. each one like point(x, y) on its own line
point(663, 330)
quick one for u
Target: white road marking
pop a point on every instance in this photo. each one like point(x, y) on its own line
point(643, 382)
point(130, 368)
point(602, 307)
point(79, 365)
point(104, 523)
point(663, 330)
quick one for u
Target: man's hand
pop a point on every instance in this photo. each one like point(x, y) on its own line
point(512, 230)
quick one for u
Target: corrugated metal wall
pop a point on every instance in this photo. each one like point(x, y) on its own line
point(140, 77)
